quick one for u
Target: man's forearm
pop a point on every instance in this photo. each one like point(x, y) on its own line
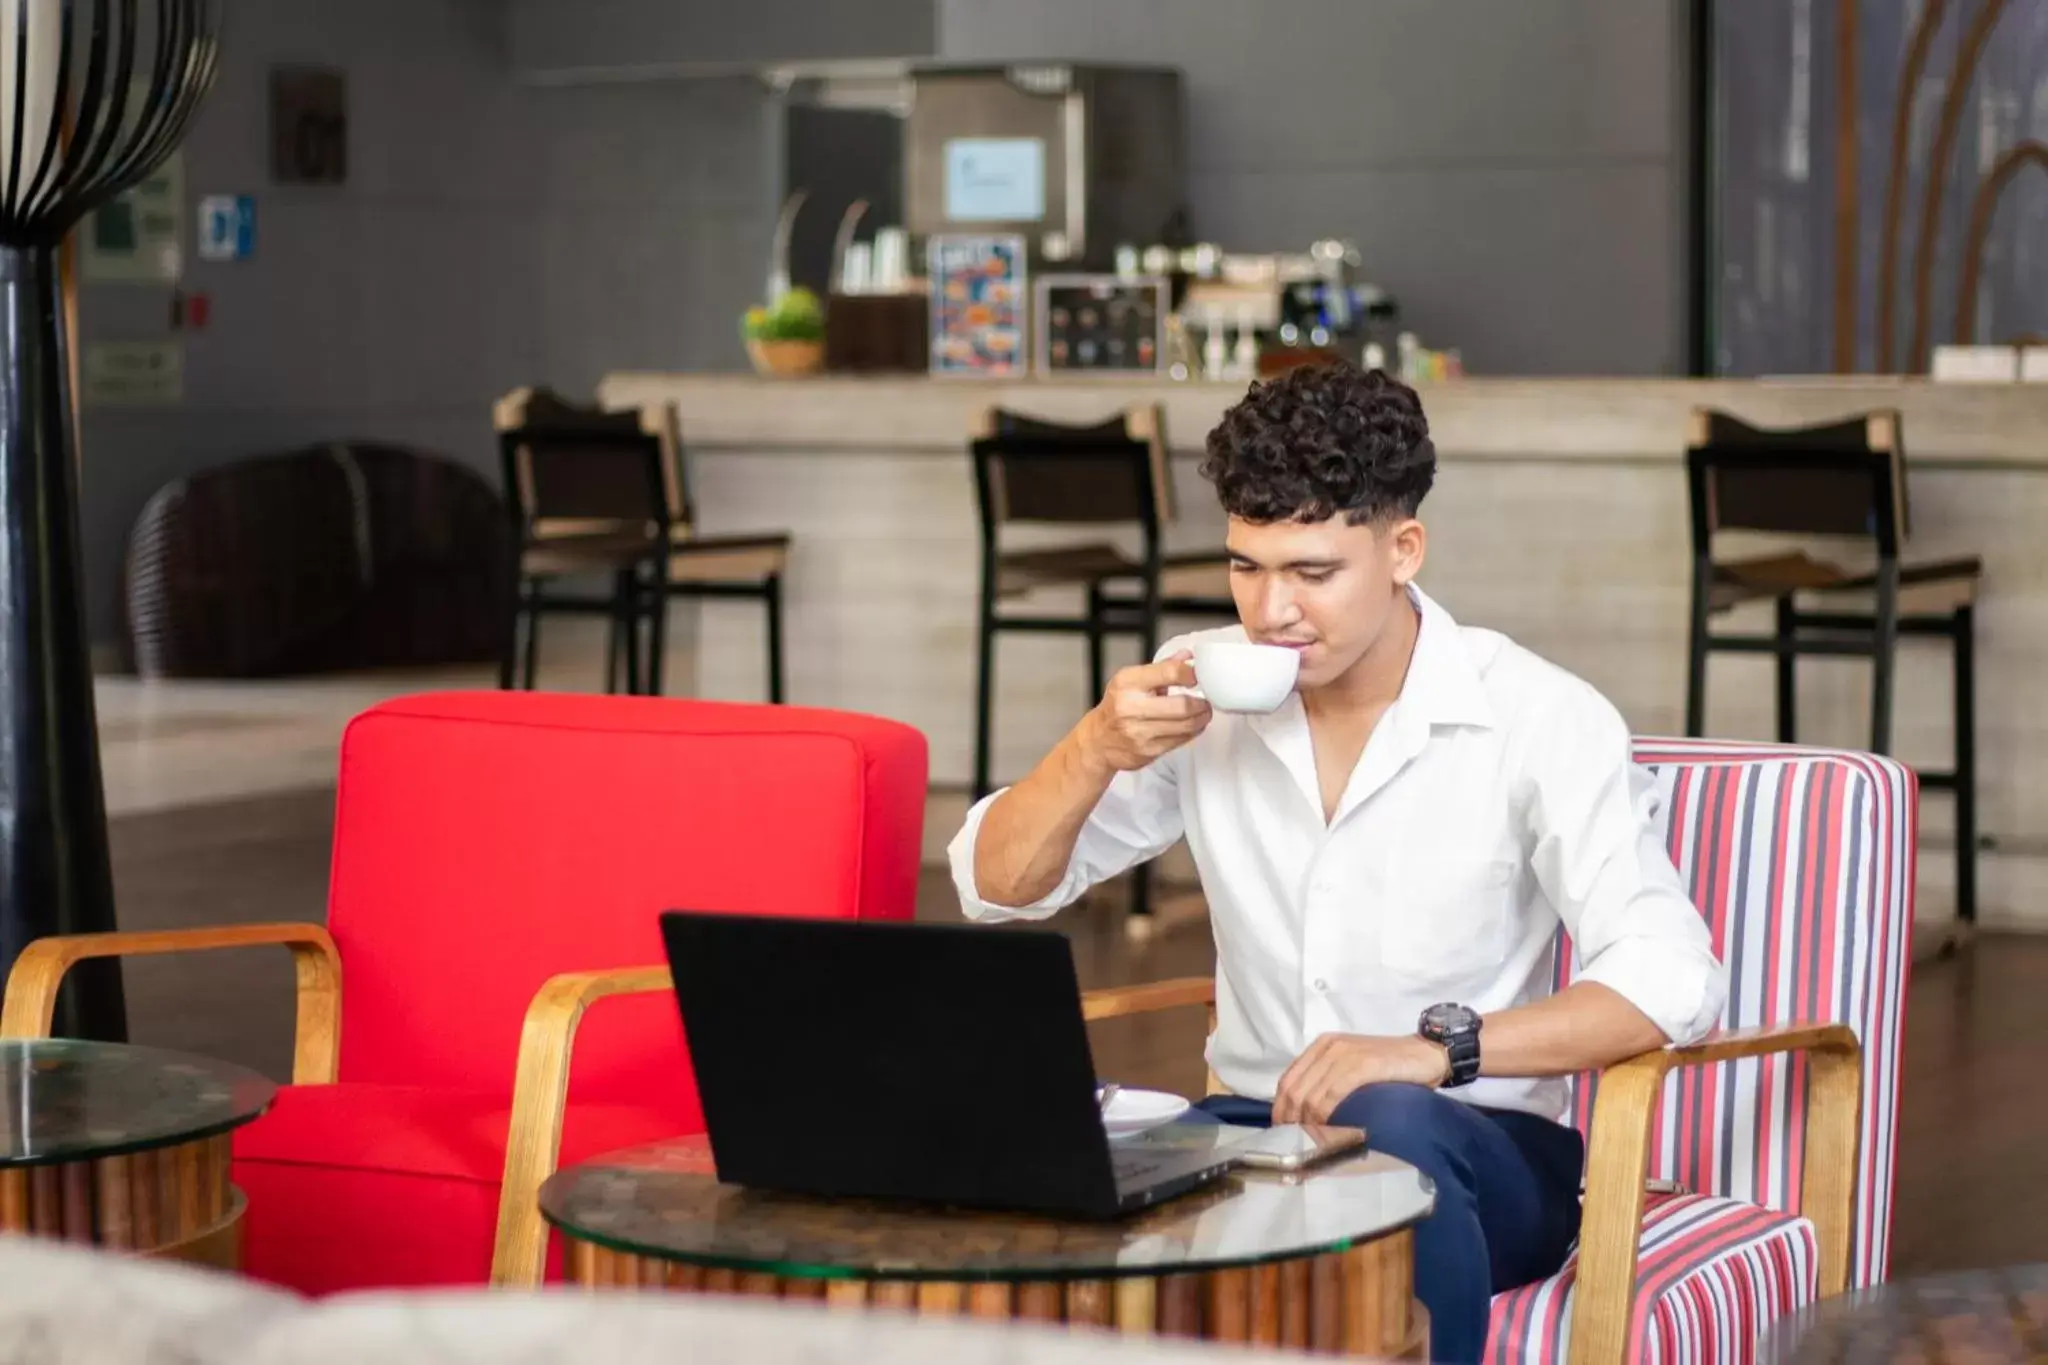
point(1028, 834)
point(1584, 1027)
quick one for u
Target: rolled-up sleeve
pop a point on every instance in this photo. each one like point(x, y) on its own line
point(1137, 819)
point(1598, 857)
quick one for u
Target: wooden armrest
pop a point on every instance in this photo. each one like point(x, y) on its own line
point(540, 1092)
point(1113, 1002)
point(1618, 1161)
point(31, 1001)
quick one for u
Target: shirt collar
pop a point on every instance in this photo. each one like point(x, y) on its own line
point(1443, 685)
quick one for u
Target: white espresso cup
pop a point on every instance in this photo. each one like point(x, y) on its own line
point(1238, 676)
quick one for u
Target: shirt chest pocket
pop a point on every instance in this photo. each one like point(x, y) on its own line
point(1450, 914)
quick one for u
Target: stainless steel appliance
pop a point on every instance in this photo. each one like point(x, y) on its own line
point(1077, 158)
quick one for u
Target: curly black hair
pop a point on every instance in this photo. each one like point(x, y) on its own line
point(1319, 440)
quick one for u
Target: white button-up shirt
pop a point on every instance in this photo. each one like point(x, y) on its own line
point(1495, 800)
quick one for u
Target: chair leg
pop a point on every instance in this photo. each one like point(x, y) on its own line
point(1098, 663)
point(1141, 875)
point(984, 682)
point(614, 647)
point(1884, 650)
point(1966, 763)
point(1696, 653)
point(772, 599)
point(1788, 673)
point(508, 658)
point(533, 615)
point(657, 633)
point(626, 612)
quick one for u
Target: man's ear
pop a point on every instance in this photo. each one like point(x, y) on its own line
point(1409, 541)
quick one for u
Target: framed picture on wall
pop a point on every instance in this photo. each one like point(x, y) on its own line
point(980, 305)
point(1100, 324)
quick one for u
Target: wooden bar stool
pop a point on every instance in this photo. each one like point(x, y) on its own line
point(599, 492)
point(1090, 477)
point(587, 494)
point(1844, 481)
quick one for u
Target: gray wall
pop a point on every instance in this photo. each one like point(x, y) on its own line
point(491, 235)
point(570, 35)
point(1511, 169)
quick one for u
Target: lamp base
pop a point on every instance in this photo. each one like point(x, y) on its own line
point(55, 873)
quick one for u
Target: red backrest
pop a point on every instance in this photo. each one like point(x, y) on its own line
point(485, 842)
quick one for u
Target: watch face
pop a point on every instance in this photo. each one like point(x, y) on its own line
point(1443, 1020)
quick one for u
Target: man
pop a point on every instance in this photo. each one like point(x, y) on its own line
point(1398, 842)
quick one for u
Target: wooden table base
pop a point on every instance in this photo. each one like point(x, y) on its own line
point(172, 1202)
point(1357, 1303)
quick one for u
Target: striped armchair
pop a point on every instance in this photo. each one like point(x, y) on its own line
point(1802, 860)
point(1778, 1132)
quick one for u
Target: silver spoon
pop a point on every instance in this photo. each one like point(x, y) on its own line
point(1104, 1093)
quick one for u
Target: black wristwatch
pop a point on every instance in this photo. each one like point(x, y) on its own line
point(1456, 1030)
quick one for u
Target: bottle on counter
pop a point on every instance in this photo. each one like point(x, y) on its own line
point(1245, 359)
point(1215, 347)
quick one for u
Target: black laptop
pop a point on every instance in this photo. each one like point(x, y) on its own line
point(941, 1064)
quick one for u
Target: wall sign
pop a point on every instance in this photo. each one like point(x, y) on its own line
point(227, 227)
point(138, 238)
point(132, 373)
point(308, 125)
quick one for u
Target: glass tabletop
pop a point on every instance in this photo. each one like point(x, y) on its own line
point(64, 1099)
point(664, 1201)
point(1972, 1316)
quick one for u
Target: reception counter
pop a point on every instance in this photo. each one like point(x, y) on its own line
point(1558, 517)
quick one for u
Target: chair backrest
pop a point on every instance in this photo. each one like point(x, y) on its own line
point(485, 842)
point(571, 469)
point(1802, 862)
point(1031, 470)
point(350, 555)
point(1837, 479)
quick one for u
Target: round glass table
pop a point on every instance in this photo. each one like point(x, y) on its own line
point(1321, 1259)
point(1977, 1317)
point(124, 1147)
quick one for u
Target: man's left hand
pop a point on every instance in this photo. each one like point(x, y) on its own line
point(1336, 1064)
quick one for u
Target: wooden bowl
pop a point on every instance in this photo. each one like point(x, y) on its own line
point(787, 358)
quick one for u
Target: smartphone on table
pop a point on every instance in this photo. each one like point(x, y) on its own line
point(1294, 1146)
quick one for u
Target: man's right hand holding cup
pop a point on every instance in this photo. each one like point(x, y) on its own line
point(1138, 719)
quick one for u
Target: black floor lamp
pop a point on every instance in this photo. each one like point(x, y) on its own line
point(94, 95)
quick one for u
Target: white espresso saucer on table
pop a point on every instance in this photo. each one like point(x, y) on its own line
point(1134, 1111)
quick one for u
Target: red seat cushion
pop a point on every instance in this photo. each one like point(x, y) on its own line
point(410, 1170)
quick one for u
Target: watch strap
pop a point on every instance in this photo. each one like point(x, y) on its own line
point(1463, 1049)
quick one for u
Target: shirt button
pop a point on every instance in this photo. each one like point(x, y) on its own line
point(1321, 984)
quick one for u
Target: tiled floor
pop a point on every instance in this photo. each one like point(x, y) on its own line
point(223, 811)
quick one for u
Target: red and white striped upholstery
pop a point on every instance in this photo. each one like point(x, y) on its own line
point(1802, 861)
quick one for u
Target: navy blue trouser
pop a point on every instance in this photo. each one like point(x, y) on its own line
point(1507, 1197)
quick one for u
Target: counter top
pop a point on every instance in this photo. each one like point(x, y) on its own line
point(1560, 518)
point(1993, 426)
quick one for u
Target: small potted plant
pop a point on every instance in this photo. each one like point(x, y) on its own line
point(787, 337)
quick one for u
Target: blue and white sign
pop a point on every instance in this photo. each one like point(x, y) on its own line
point(227, 227)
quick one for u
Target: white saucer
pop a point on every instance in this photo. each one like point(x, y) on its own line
point(1134, 1111)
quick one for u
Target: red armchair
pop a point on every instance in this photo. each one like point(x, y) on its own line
point(498, 859)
